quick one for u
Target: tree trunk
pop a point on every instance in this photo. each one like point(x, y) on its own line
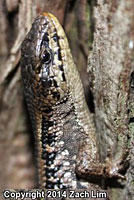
point(106, 28)
point(110, 69)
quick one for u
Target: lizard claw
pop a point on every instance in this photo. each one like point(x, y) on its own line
point(112, 170)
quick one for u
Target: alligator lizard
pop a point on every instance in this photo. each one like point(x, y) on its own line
point(63, 128)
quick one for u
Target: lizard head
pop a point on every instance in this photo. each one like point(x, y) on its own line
point(44, 59)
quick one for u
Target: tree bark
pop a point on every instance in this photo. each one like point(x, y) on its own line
point(110, 71)
point(106, 28)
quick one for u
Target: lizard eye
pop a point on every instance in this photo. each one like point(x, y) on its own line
point(46, 57)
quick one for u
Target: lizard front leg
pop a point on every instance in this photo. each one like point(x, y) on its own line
point(89, 165)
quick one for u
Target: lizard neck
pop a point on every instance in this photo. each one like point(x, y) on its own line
point(57, 144)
